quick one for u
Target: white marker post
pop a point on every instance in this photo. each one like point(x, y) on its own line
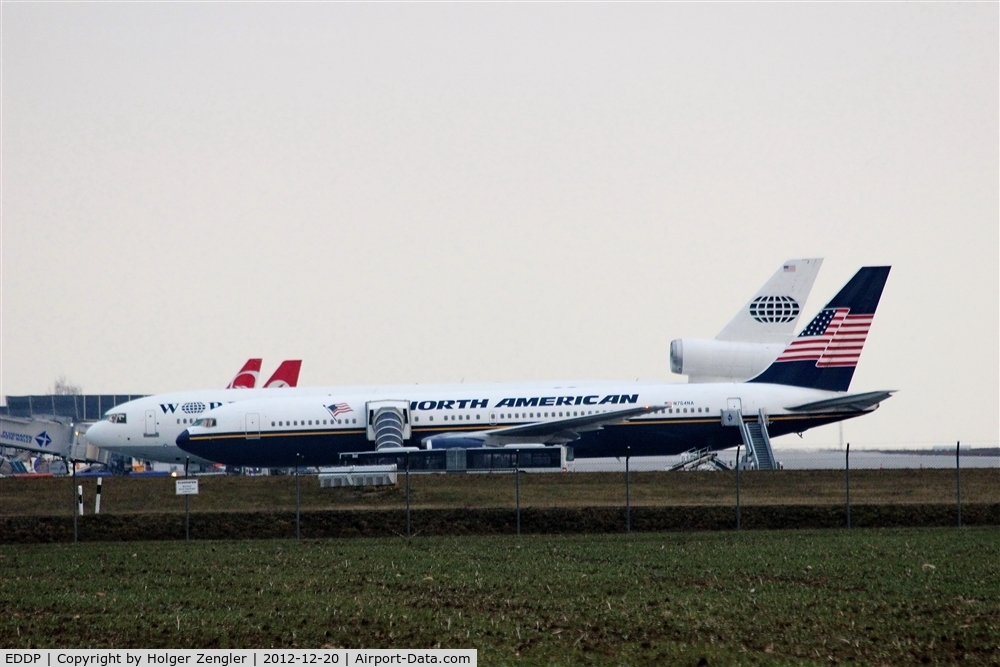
point(79, 499)
point(187, 488)
point(97, 498)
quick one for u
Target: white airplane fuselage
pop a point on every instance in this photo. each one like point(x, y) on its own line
point(147, 428)
point(150, 426)
point(274, 431)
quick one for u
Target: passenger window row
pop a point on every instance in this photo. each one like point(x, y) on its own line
point(504, 415)
point(313, 422)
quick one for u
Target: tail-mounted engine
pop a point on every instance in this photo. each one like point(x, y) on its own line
point(705, 360)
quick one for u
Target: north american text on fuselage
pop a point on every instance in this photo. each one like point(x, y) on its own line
point(523, 402)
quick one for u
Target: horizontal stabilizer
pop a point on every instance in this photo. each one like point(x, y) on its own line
point(852, 402)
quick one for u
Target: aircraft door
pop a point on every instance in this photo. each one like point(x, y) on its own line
point(253, 426)
point(734, 404)
point(493, 419)
point(151, 424)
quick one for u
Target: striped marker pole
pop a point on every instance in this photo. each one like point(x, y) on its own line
point(79, 499)
point(76, 533)
point(97, 498)
point(187, 503)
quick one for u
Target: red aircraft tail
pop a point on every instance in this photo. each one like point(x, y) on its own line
point(287, 374)
point(247, 377)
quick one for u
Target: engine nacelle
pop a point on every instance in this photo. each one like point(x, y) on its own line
point(710, 360)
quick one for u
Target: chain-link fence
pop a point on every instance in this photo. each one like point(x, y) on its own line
point(814, 489)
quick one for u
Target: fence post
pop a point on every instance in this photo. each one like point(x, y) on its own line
point(737, 487)
point(407, 494)
point(298, 500)
point(847, 481)
point(517, 488)
point(76, 533)
point(628, 493)
point(958, 482)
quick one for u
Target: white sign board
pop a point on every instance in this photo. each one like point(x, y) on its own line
point(187, 487)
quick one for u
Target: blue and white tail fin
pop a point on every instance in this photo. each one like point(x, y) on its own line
point(827, 351)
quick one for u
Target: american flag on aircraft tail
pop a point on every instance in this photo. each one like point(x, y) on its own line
point(339, 409)
point(833, 338)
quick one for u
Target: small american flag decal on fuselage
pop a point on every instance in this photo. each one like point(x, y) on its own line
point(339, 409)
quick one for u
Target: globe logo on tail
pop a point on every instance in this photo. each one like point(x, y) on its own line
point(774, 309)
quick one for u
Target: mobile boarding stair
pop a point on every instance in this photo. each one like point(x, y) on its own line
point(700, 459)
point(759, 455)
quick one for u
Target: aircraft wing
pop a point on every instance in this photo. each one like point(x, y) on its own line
point(555, 432)
point(856, 402)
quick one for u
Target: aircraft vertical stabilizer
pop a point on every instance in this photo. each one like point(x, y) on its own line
point(287, 374)
point(771, 314)
point(827, 351)
point(247, 377)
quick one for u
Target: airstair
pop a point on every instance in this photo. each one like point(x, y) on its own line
point(700, 459)
point(759, 455)
point(388, 423)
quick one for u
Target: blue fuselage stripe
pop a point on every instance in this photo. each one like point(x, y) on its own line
point(661, 437)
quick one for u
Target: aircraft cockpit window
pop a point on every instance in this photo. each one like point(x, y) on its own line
point(207, 422)
point(117, 418)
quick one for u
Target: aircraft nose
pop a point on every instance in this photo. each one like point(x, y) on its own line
point(99, 434)
point(183, 439)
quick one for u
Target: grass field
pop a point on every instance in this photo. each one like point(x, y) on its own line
point(130, 495)
point(879, 597)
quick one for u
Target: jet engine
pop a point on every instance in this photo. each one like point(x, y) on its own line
point(711, 360)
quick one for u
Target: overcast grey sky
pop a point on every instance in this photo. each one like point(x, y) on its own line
point(439, 192)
